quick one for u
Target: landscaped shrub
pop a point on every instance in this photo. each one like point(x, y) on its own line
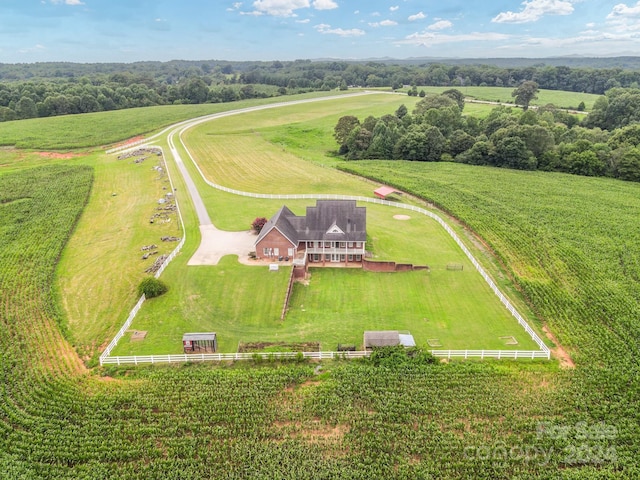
point(152, 287)
point(258, 223)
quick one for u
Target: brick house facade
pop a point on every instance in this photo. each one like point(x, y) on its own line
point(331, 232)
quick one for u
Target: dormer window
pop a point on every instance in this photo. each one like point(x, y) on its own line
point(335, 229)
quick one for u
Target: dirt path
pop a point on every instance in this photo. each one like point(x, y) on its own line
point(558, 351)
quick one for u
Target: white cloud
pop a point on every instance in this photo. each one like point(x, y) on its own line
point(440, 25)
point(279, 8)
point(534, 10)
point(417, 16)
point(430, 38)
point(590, 25)
point(384, 23)
point(287, 8)
point(306, 20)
point(324, 4)
point(34, 49)
point(623, 17)
point(326, 29)
point(394, 8)
point(67, 2)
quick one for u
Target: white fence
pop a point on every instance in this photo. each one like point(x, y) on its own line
point(503, 299)
point(231, 357)
point(105, 358)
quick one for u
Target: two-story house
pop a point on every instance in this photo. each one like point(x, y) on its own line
point(333, 231)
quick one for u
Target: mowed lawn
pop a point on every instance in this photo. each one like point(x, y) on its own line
point(284, 150)
point(441, 308)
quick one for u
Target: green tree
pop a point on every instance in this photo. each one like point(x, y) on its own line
point(455, 95)
point(195, 90)
point(401, 111)
point(420, 143)
point(628, 165)
point(433, 101)
point(460, 141)
point(26, 108)
point(344, 127)
point(512, 152)
point(525, 93)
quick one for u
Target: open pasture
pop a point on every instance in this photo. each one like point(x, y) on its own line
point(559, 98)
point(90, 130)
point(284, 150)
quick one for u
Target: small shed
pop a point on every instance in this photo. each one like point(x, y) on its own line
point(387, 338)
point(383, 192)
point(205, 342)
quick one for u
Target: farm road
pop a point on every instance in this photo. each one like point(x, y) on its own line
point(215, 243)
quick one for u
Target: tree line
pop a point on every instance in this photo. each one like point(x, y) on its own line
point(605, 143)
point(48, 89)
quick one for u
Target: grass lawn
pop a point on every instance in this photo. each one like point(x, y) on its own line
point(107, 245)
point(453, 309)
point(101, 266)
point(559, 98)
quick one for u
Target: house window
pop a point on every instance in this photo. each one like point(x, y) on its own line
point(343, 244)
point(327, 244)
point(342, 258)
point(358, 244)
point(358, 258)
point(327, 257)
point(351, 258)
point(266, 251)
point(316, 257)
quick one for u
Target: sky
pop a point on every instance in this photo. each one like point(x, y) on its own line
point(142, 30)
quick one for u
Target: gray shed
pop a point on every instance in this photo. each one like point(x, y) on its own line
point(205, 342)
point(387, 338)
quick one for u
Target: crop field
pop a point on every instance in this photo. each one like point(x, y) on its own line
point(570, 243)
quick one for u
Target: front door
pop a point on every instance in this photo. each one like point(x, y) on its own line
point(335, 257)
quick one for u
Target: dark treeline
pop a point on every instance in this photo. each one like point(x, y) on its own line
point(605, 143)
point(47, 89)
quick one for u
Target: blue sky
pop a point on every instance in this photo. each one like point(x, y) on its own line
point(136, 30)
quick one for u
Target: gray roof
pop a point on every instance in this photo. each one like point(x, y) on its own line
point(381, 338)
point(199, 336)
point(283, 220)
point(343, 214)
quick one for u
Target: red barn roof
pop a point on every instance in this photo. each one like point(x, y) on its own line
point(382, 192)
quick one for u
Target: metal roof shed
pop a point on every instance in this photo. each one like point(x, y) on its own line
point(381, 338)
point(205, 342)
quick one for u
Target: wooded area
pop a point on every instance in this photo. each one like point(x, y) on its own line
point(48, 89)
point(605, 143)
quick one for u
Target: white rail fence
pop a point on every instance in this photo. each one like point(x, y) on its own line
point(503, 299)
point(105, 358)
point(231, 357)
point(107, 351)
